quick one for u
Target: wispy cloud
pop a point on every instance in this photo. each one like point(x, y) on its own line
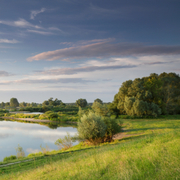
point(46, 81)
point(70, 71)
point(22, 23)
point(101, 10)
point(39, 32)
point(9, 41)
point(106, 49)
point(34, 13)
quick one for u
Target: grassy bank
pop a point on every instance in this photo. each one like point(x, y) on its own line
point(151, 150)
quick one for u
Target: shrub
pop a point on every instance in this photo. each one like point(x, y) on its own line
point(9, 158)
point(35, 154)
point(64, 143)
point(44, 149)
point(53, 116)
point(43, 116)
point(91, 127)
point(113, 127)
point(20, 152)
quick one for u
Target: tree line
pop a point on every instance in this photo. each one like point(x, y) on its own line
point(152, 95)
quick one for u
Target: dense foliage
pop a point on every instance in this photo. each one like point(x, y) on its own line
point(101, 109)
point(14, 102)
point(97, 128)
point(150, 95)
point(9, 158)
point(91, 127)
point(81, 102)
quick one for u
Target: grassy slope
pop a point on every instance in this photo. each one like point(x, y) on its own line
point(153, 152)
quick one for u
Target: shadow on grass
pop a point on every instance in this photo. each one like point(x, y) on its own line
point(154, 128)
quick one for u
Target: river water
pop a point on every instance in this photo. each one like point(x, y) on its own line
point(31, 136)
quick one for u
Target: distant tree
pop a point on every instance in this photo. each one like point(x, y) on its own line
point(2, 105)
point(33, 104)
point(14, 102)
point(57, 102)
point(7, 104)
point(51, 102)
point(98, 100)
point(81, 103)
point(45, 103)
point(101, 109)
point(22, 104)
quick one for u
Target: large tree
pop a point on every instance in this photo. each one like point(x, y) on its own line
point(98, 100)
point(162, 90)
point(14, 102)
point(81, 102)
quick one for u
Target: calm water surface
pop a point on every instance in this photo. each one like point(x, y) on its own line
point(30, 136)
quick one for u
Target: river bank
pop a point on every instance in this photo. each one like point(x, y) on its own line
point(35, 120)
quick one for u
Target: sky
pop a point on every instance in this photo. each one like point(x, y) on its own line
point(71, 49)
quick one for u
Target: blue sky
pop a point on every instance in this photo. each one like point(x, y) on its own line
point(71, 49)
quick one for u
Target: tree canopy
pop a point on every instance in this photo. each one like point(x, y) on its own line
point(150, 95)
point(14, 102)
point(81, 102)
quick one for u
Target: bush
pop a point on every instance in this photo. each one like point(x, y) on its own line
point(44, 149)
point(20, 152)
point(91, 127)
point(9, 158)
point(64, 143)
point(53, 116)
point(35, 154)
point(113, 127)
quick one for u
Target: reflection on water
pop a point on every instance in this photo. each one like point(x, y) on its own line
point(30, 136)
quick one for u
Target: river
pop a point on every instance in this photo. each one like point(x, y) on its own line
point(30, 136)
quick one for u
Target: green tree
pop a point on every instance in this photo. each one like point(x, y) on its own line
point(14, 102)
point(101, 109)
point(98, 100)
point(45, 103)
point(136, 107)
point(81, 102)
point(22, 104)
point(7, 104)
point(2, 105)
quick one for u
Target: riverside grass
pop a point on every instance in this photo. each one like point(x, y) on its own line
point(151, 152)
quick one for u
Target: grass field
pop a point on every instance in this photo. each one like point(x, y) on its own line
point(150, 151)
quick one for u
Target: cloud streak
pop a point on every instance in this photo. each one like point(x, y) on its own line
point(22, 23)
point(70, 71)
point(9, 41)
point(47, 81)
point(34, 13)
point(105, 50)
point(39, 32)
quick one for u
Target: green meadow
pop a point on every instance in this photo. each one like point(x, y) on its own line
point(148, 149)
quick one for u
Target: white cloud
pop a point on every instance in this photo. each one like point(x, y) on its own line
point(39, 32)
point(8, 41)
point(22, 23)
point(34, 13)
